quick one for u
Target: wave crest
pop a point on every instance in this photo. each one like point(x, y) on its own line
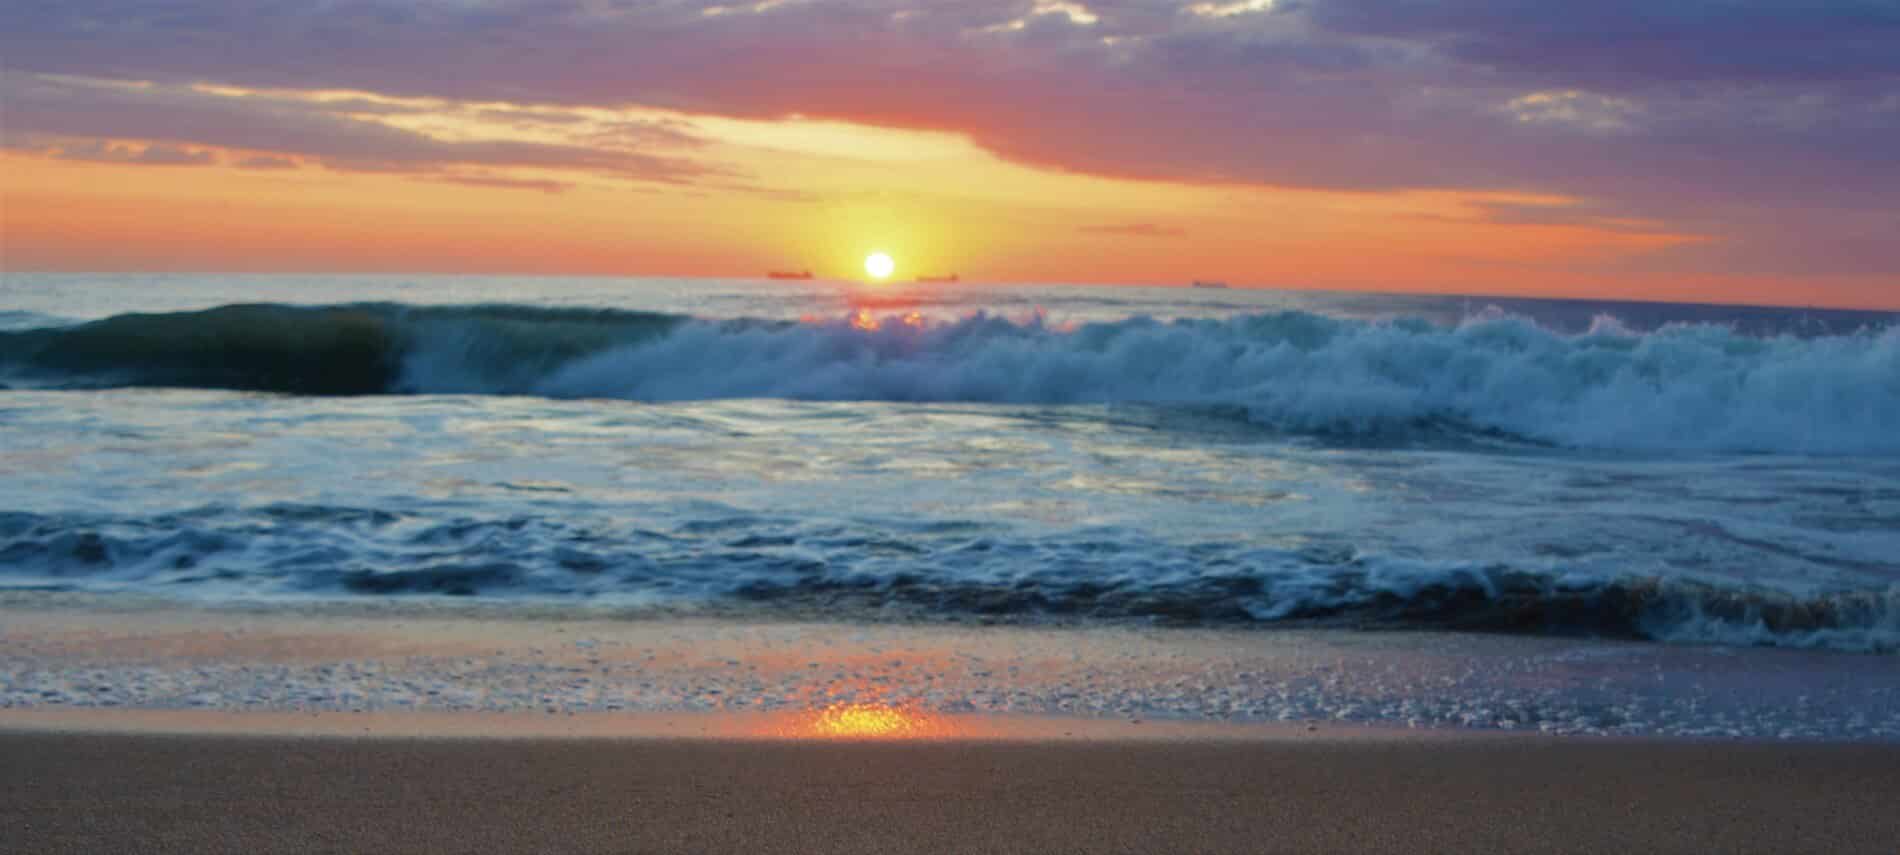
point(1687, 387)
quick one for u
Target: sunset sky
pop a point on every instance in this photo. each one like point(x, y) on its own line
point(1705, 150)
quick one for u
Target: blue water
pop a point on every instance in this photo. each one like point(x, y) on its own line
point(1227, 457)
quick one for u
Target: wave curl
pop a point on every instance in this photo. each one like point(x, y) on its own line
point(1684, 387)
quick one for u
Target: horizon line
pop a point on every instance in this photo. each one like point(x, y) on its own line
point(965, 280)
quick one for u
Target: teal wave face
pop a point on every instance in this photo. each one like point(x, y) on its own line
point(1680, 387)
point(262, 348)
point(332, 350)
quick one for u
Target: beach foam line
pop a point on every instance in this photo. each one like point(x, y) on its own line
point(835, 723)
point(343, 552)
point(855, 681)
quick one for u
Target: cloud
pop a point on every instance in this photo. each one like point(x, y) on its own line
point(1770, 243)
point(1634, 43)
point(1581, 110)
point(265, 162)
point(171, 115)
point(542, 185)
point(102, 151)
point(1582, 215)
point(1144, 230)
point(164, 155)
point(1696, 111)
point(1230, 9)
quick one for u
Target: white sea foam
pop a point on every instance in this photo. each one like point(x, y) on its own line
point(1680, 388)
point(750, 563)
point(1260, 468)
point(1701, 387)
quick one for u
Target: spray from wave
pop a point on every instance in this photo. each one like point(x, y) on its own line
point(1688, 387)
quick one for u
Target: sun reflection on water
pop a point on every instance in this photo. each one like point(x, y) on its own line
point(864, 320)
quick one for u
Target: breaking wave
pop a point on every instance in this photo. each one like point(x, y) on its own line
point(924, 570)
point(1685, 387)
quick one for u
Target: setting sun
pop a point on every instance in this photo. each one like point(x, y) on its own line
point(879, 265)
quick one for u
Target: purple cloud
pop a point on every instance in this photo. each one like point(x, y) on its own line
point(1632, 43)
point(172, 115)
point(265, 162)
point(151, 155)
point(1700, 113)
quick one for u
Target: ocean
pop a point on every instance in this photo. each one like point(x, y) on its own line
point(1062, 454)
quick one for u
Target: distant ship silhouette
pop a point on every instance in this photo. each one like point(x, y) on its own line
point(1203, 283)
point(789, 274)
point(930, 280)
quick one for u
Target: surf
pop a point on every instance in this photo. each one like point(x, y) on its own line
point(1682, 387)
point(952, 574)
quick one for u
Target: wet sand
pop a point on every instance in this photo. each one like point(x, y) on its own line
point(186, 730)
point(63, 656)
point(102, 792)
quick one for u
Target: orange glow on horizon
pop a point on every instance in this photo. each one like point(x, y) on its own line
point(817, 195)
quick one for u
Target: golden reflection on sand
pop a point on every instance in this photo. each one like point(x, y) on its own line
point(855, 721)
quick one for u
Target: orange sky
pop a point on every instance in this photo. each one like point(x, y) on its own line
point(793, 193)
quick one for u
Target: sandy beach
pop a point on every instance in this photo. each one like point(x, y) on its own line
point(172, 729)
point(109, 793)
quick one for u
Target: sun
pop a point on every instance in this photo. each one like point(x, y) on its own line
point(879, 265)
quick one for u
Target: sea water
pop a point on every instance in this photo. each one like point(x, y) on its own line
point(1250, 458)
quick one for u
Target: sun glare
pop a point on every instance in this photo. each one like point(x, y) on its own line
point(870, 721)
point(879, 265)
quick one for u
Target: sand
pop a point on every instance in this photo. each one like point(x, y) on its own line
point(127, 792)
point(172, 729)
point(58, 656)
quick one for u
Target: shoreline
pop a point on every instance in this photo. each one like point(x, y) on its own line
point(182, 661)
point(844, 724)
point(1821, 637)
point(164, 727)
